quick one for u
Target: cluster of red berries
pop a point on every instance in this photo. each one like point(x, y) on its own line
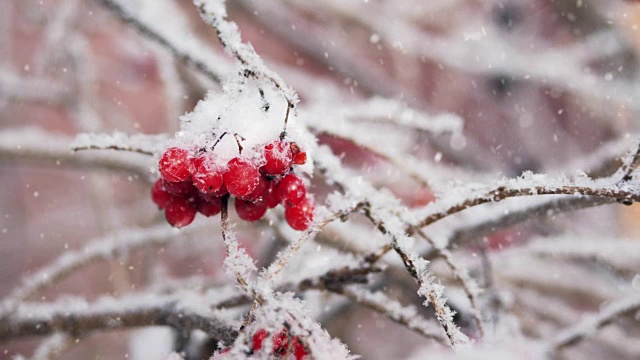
point(283, 345)
point(192, 183)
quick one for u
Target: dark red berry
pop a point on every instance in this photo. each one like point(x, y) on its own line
point(295, 149)
point(299, 351)
point(159, 195)
point(258, 339)
point(183, 188)
point(210, 206)
point(270, 197)
point(180, 212)
point(250, 211)
point(299, 217)
point(258, 193)
point(174, 165)
point(291, 190)
point(300, 158)
point(207, 176)
point(241, 177)
point(277, 157)
point(281, 343)
point(220, 192)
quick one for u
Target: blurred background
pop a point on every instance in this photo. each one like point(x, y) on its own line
point(541, 85)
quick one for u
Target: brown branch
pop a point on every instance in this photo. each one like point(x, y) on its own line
point(590, 324)
point(503, 193)
point(80, 322)
point(113, 147)
point(151, 34)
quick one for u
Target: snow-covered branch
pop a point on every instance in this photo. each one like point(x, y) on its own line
point(590, 324)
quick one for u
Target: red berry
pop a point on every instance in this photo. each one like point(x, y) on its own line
point(291, 190)
point(220, 192)
point(278, 158)
point(174, 165)
point(270, 196)
point(294, 148)
point(281, 343)
point(299, 351)
point(241, 177)
point(159, 195)
point(299, 217)
point(258, 339)
point(300, 158)
point(207, 177)
point(183, 188)
point(180, 212)
point(258, 193)
point(210, 206)
point(250, 211)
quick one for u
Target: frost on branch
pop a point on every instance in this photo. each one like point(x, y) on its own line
point(435, 157)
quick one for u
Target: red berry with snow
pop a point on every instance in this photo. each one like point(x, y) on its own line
point(300, 158)
point(291, 190)
point(210, 206)
point(241, 177)
point(270, 196)
point(183, 188)
point(299, 351)
point(159, 195)
point(277, 157)
point(207, 176)
point(258, 193)
point(281, 343)
point(299, 217)
point(174, 165)
point(258, 339)
point(180, 212)
point(250, 211)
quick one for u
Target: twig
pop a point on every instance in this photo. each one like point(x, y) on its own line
point(502, 193)
point(153, 35)
point(229, 36)
point(54, 149)
point(108, 247)
point(38, 319)
point(51, 347)
point(461, 274)
point(112, 147)
point(589, 325)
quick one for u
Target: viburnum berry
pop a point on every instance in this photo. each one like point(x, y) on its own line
point(300, 158)
point(180, 211)
point(258, 339)
point(277, 157)
point(182, 188)
point(291, 190)
point(270, 196)
point(280, 341)
point(250, 211)
point(299, 350)
point(174, 165)
point(210, 206)
point(241, 177)
point(207, 177)
point(159, 195)
point(299, 217)
point(258, 193)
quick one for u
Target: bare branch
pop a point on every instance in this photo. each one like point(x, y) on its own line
point(589, 325)
point(109, 314)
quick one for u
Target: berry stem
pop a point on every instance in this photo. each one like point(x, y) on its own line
point(218, 140)
point(238, 139)
point(286, 120)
